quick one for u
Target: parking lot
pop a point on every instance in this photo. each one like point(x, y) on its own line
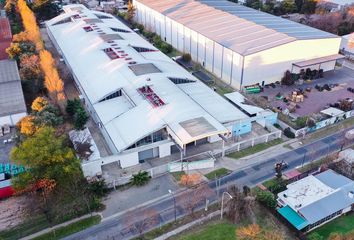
point(314, 100)
point(5, 148)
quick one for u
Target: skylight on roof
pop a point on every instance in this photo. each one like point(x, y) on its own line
point(142, 49)
point(103, 16)
point(93, 20)
point(88, 29)
point(65, 20)
point(115, 94)
point(120, 30)
point(151, 96)
point(111, 37)
point(111, 53)
point(180, 80)
point(144, 68)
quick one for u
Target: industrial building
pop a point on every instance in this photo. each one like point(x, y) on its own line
point(316, 200)
point(240, 45)
point(145, 104)
point(12, 102)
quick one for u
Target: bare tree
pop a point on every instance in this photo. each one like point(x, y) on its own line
point(240, 207)
point(141, 221)
point(190, 200)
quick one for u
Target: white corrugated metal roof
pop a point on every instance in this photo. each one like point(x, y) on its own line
point(242, 29)
point(131, 117)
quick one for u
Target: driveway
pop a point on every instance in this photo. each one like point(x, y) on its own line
point(121, 200)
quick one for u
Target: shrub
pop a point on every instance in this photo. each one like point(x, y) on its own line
point(301, 122)
point(277, 125)
point(72, 106)
point(80, 118)
point(166, 48)
point(266, 198)
point(39, 104)
point(140, 179)
point(186, 57)
point(288, 133)
point(315, 236)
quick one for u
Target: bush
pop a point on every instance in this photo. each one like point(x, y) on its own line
point(288, 133)
point(140, 179)
point(166, 48)
point(266, 198)
point(301, 122)
point(186, 57)
point(277, 125)
point(80, 118)
point(315, 236)
point(72, 106)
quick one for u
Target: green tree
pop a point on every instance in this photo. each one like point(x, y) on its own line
point(80, 119)
point(266, 198)
point(308, 7)
point(49, 116)
point(287, 6)
point(72, 106)
point(44, 9)
point(141, 178)
point(47, 157)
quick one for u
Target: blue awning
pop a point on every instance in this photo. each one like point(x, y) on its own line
point(293, 217)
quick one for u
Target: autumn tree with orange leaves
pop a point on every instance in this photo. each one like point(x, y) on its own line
point(52, 81)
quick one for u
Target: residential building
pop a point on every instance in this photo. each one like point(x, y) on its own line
point(240, 45)
point(145, 104)
point(5, 37)
point(316, 199)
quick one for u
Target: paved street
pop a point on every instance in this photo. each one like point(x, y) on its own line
point(117, 227)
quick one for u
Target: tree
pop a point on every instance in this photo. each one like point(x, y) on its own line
point(287, 6)
point(192, 199)
point(17, 49)
point(44, 9)
point(80, 119)
point(39, 104)
point(266, 198)
point(240, 207)
point(72, 106)
point(46, 155)
point(141, 178)
point(308, 6)
point(315, 236)
point(27, 125)
point(141, 221)
point(130, 12)
point(287, 79)
point(49, 116)
point(52, 81)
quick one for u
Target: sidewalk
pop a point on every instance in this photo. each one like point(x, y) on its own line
point(47, 230)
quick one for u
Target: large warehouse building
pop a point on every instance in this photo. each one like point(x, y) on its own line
point(240, 45)
point(145, 104)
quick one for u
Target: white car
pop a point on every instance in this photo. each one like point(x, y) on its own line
point(175, 58)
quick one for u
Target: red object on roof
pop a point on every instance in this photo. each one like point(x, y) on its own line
point(5, 37)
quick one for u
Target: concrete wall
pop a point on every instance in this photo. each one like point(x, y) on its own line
point(12, 119)
point(202, 164)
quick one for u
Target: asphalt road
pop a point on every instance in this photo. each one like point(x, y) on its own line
point(121, 228)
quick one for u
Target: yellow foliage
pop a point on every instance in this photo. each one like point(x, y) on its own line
point(52, 81)
point(190, 179)
point(39, 103)
point(30, 24)
point(249, 232)
point(20, 37)
point(26, 125)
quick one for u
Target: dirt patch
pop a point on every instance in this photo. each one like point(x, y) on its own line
point(12, 212)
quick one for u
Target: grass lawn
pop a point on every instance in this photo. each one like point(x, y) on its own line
point(26, 228)
point(212, 231)
point(343, 224)
point(217, 173)
point(255, 149)
point(70, 229)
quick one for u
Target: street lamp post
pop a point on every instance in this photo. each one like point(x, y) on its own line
point(222, 203)
point(174, 203)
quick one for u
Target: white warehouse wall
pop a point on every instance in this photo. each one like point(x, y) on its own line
point(221, 61)
point(12, 119)
point(270, 65)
